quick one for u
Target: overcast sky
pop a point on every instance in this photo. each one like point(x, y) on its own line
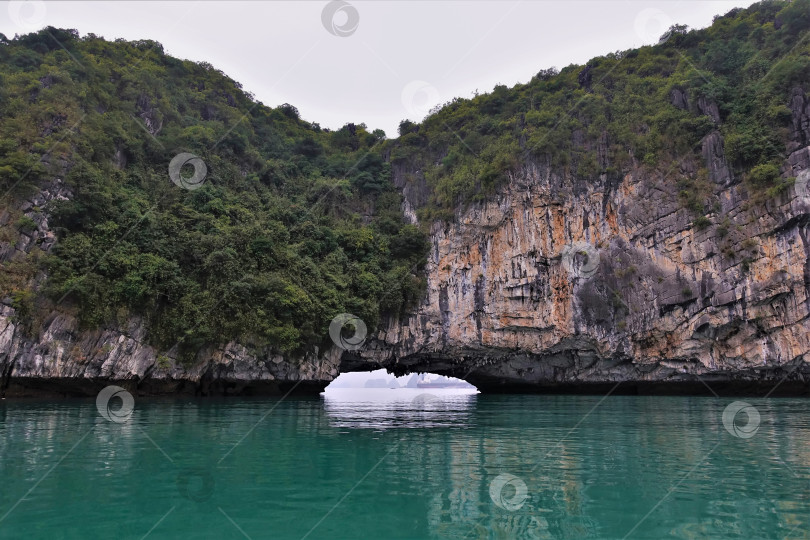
point(376, 61)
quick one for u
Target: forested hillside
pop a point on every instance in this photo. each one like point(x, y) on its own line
point(651, 106)
point(291, 225)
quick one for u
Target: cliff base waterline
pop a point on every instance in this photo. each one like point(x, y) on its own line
point(710, 387)
point(68, 388)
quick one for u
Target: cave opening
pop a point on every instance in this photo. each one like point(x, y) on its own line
point(382, 380)
point(379, 400)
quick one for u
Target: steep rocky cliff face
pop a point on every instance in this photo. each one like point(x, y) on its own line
point(566, 282)
point(555, 283)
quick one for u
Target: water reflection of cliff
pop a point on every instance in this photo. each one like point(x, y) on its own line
point(601, 477)
point(591, 469)
point(400, 408)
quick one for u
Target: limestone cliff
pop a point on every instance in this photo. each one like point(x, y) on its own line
point(66, 361)
point(559, 281)
point(555, 282)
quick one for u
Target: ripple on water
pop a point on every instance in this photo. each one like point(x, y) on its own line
point(405, 466)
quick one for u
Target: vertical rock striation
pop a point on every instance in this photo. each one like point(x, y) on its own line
point(669, 302)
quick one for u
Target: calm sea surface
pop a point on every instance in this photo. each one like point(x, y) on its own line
point(406, 464)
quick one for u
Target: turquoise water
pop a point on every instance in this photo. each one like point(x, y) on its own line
point(364, 464)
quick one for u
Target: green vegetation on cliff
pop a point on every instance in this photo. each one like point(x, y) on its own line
point(293, 225)
point(649, 106)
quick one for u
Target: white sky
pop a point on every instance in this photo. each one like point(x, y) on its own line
point(402, 58)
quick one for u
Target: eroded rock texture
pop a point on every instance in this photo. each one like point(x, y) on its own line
point(557, 282)
point(671, 301)
point(65, 361)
